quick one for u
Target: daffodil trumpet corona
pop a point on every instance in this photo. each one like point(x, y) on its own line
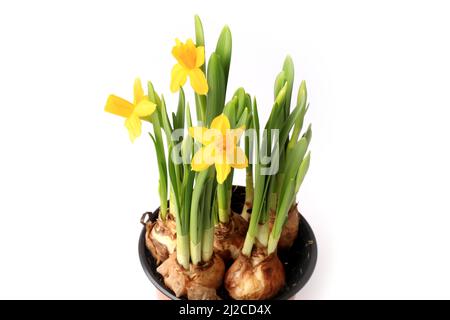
point(197, 230)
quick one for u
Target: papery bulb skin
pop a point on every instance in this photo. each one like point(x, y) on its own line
point(229, 238)
point(258, 277)
point(290, 229)
point(161, 238)
point(200, 282)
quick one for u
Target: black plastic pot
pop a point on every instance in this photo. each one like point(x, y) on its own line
point(299, 262)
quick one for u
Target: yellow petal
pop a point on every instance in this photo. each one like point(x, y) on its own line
point(177, 51)
point(198, 81)
point(203, 158)
point(223, 170)
point(144, 108)
point(133, 124)
point(203, 135)
point(185, 53)
point(190, 54)
point(221, 123)
point(233, 136)
point(190, 43)
point(138, 91)
point(119, 106)
point(237, 133)
point(179, 75)
point(236, 158)
point(200, 56)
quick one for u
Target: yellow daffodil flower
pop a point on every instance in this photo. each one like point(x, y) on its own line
point(133, 112)
point(190, 58)
point(219, 148)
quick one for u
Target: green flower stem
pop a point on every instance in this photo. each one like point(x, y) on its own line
point(249, 193)
point(196, 252)
point(272, 206)
point(183, 249)
point(224, 210)
point(208, 217)
point(163, 201)
point(162, 164)
point(285, 204)
point(273, 243)
point(248, 244)
point(196, 217)
point(172, 203)
point(259, 190)
point(255, 216)
point(230, 193)
point(272, 198)
point(208, 243)
point(263, 233)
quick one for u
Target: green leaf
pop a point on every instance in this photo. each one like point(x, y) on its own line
point(283, 207)
point(301, 103)
point(200, 107)
point(294, 158)
point(207, 207)
point(223, 49)
point(281, 97)
point(174, 120)
point(302, 171)
point(230, 111)
point(308, 134)
point(199, 35)
point(243, 120)
point(174, 181)
point(276, 118)
point(241, 105)
point(186, 151)
point(188, 116)
point(241, 95)
point(188, 143)
point(288, 68)
point(286, 128)
point(180, 111)
point(165, 121)
point(195, 210)
point(255, 116)
point(187, 201)
point(160, 154)
point(302, 95)
point(279, 83)
point(153, 97)
point(200, 100)
point(260, 179)
point(217, 88)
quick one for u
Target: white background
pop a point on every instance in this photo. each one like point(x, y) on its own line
point(72, 186)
